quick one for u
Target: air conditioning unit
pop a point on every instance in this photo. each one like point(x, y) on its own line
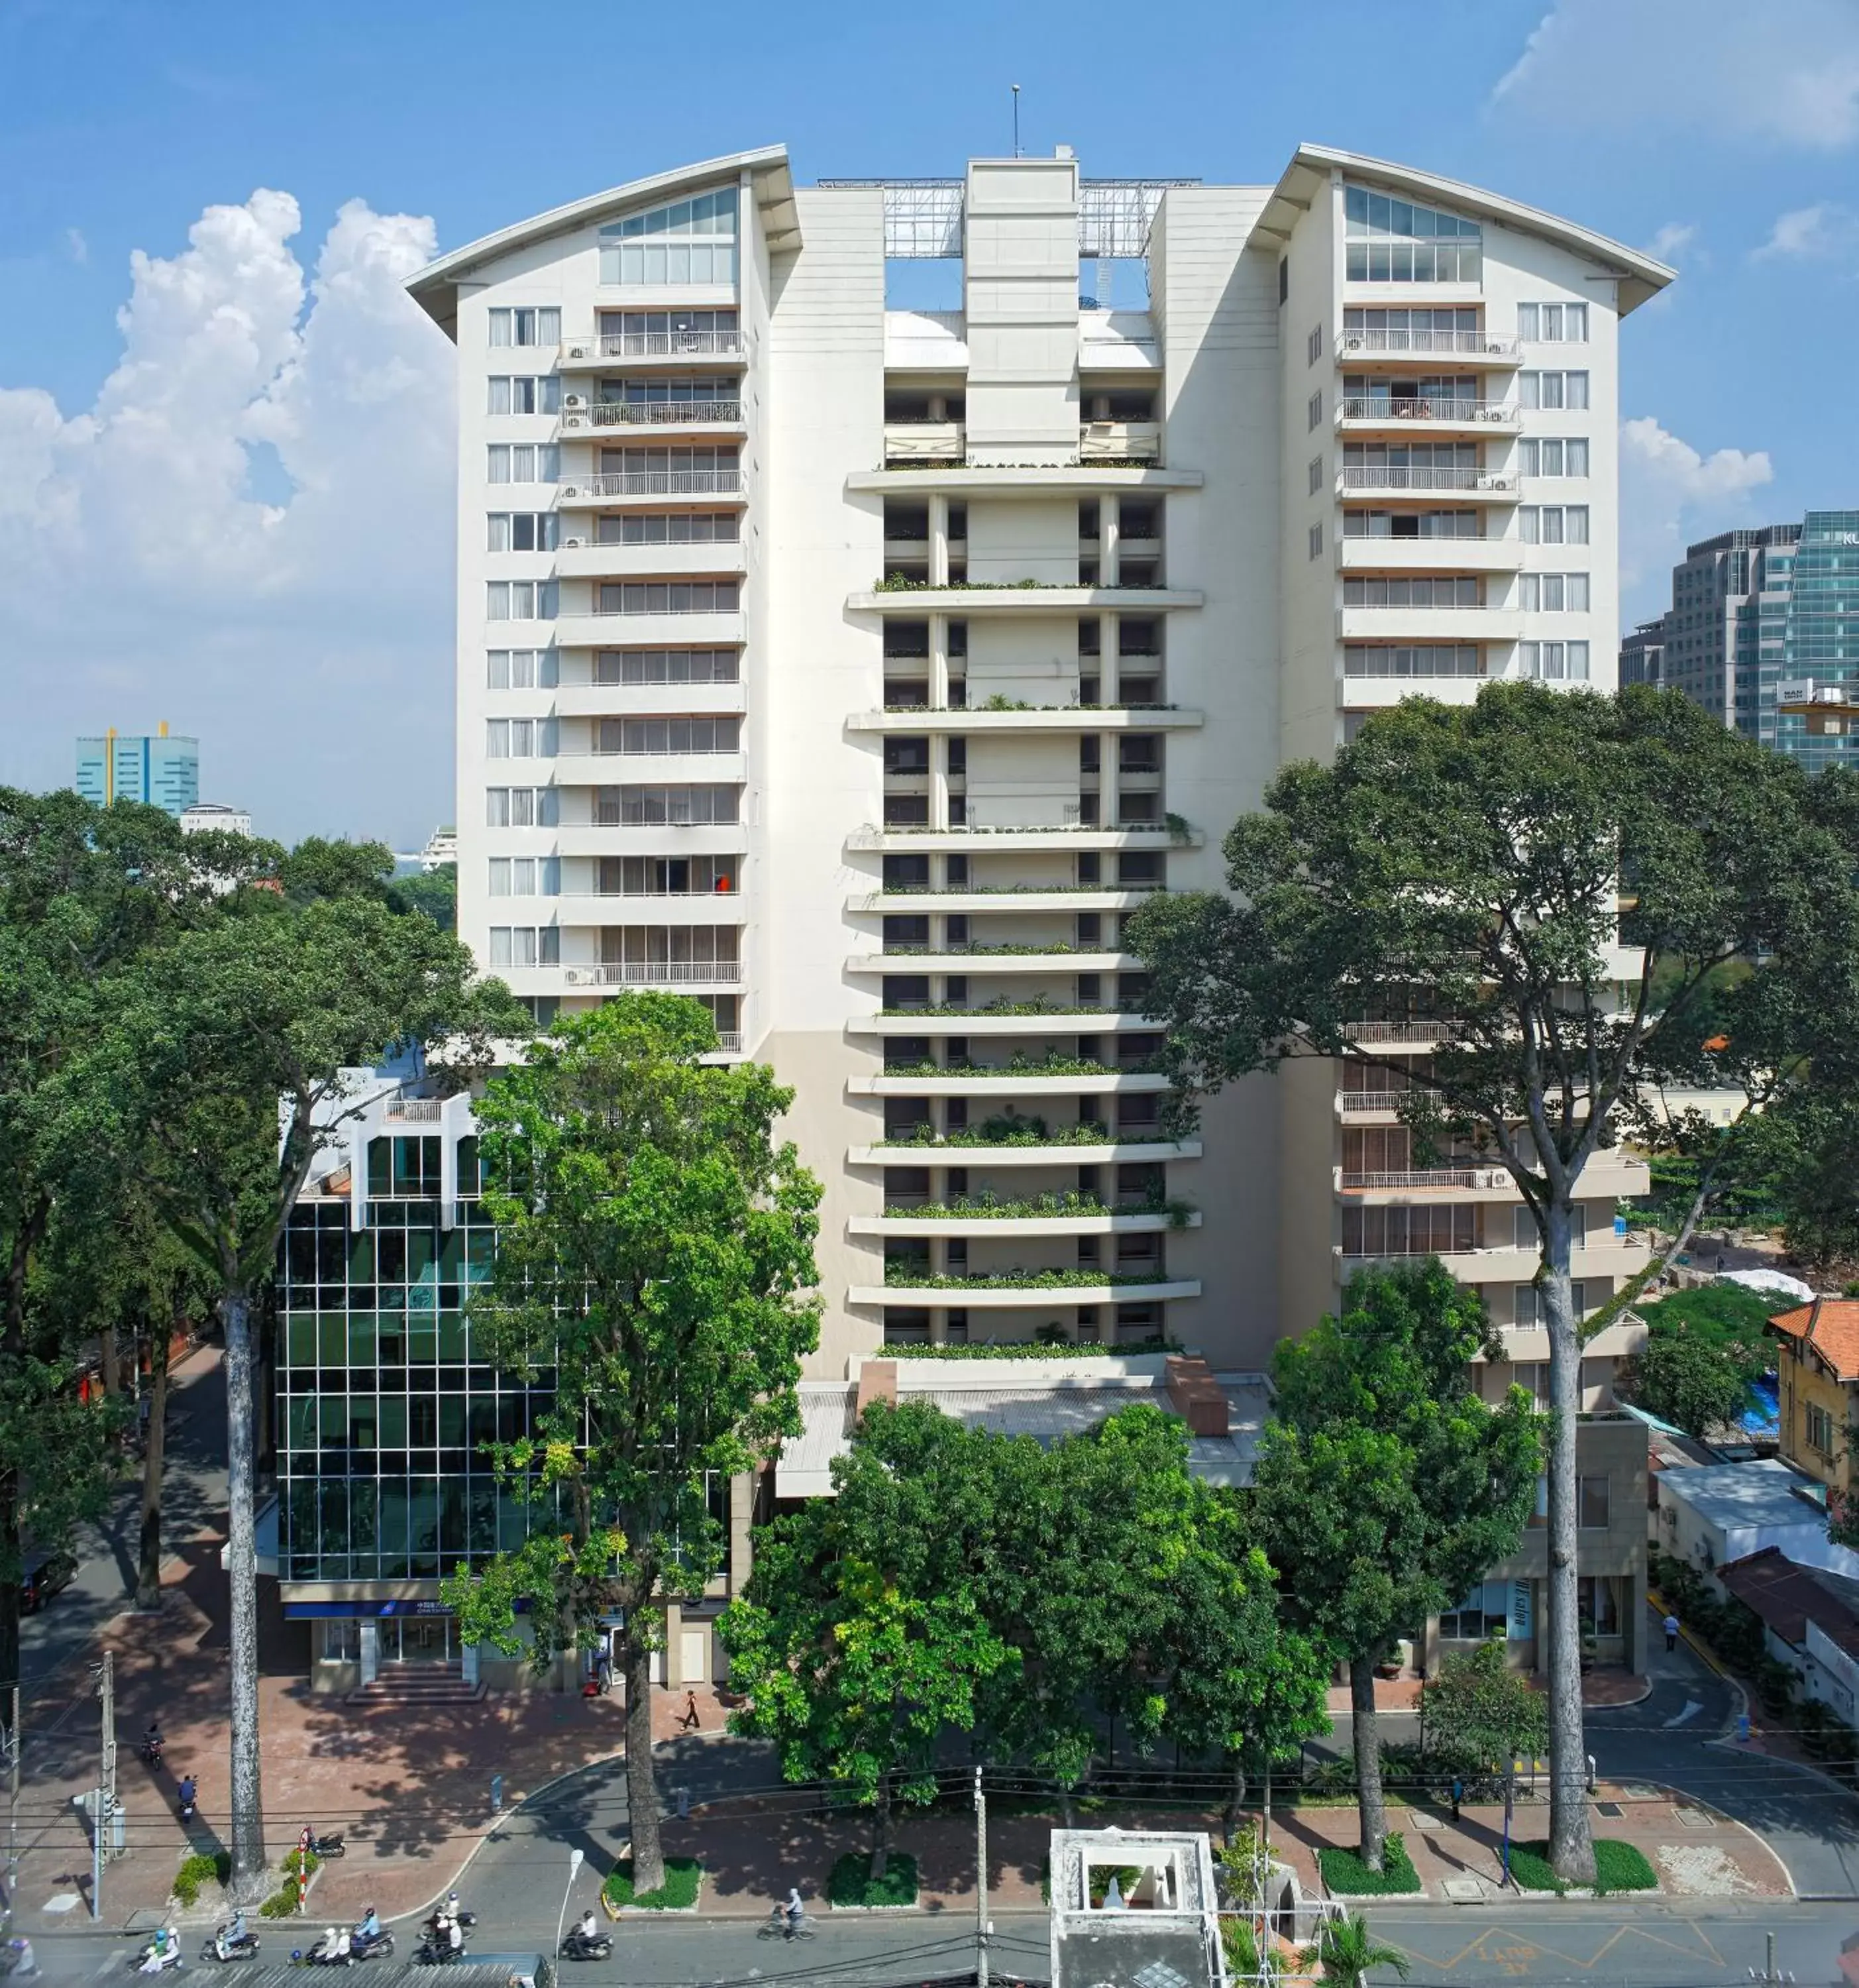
point(570, 490)
point(1353, 343)
point(570, 544)
point(580, 352)
point(574, 400)
point(576, 976)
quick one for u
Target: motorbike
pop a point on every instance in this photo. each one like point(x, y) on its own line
point(183, 1808)
point(153, 1960)
point(222, 1949)
point(583, 1946)
point(439, 1954)
point(150, 1750)
point(331, 1949)
point(366, 1946)
point(467, 1920)
point(328, 1848)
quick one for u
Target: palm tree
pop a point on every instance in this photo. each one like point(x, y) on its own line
point(1346, 1950)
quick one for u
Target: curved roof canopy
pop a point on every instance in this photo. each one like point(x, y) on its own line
point(435, 288)
point(1640, 276)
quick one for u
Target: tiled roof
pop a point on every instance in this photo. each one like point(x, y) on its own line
point(1836, 1332)
point(1787, 1597)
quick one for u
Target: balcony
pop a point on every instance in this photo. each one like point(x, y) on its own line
point(1005, 1081)
point(579, 557)
point(1490, 485)
point(654, 770)
point(1029, 1296)
point(958, 479)
point(675, 628)
point(973, 1154)
point(1417, 1035)
point(924, 441)
point(580, 416)
point(1051, 718)
point(1402, 1183)
point(1352, 346)
point(978, 1222)
point(1381, 410)
point(662, 347)
point(582, 489)
point(1487, 554)
point(1016, 898)
point(1437, 621)
point(1033, 835)
point(649, 700)
point(655, 973)
point(978, 959)
point(973, 1022)
point(1018, 597)
point(1119, 441)
point(1369, 1103)
point(608, 908)
point(415, 1111)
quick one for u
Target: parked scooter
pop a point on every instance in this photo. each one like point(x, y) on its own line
point(328, 1848)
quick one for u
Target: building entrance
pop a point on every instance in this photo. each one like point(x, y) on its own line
point(418, 1639)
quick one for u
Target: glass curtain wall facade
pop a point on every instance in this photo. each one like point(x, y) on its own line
point(1820, 633)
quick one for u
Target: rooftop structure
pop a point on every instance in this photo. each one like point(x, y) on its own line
point(1163, 1931)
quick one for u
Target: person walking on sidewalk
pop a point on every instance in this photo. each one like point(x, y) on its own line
point(687, 1719)
point(1671, 1631)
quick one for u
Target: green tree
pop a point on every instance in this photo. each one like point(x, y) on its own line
point(1484, 866)
point(1479, 1715)
point(434, 891)
point(655, 1248)
point(228, 1061)
point(1385, 1487)
point(1703, 1352)
point(1240, 1682)
point(854, 1676)
point(1347, 1952)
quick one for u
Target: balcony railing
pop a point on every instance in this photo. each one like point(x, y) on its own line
point(1425, 407)
point(1384, 476)
point(657, 414)
point(666, 973)
point(1434, 1177)
point(1393, 1032)
point(415, 1111)
point(661, 344)
point(1369, 1100)
point(729, 1041)
point(655, 483)
point(1469, 342)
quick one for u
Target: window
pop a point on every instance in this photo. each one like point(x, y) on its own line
point(519, 807)
point(525, 393)
point(1316, 540)
point(520, 325)
point(524, 462)
point(1313, 345)
point(1553, 391)
point(1591, 1504)
point(1547, 457)
point(1485, 1611)
point(1820, 1429)
point(520, 739)
point(525, 877)
point(520, 600)
point(1409, 1231)
point(521, 532)
point(1313, 410)
point(1553, 524)
point(1315, 475)
point(525, 945)
point(1414, 659)
point(1284, 278)
point(700, 528)
point(521, 669)
point(1552, 324)
point(1554, 662)
point(1464, 590)
point(690, 241)
point(1529, 1314)
point(1411, 524)
point(1553, 592)
point(667, 666)
point(1526, 1236)
point(1597, 1604)
point(667, 735)
point(658, 596)
point(641, 807)
point(1392, 240)
point(1378, 330)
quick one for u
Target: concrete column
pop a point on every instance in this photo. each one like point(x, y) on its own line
point(1108, 664)
point(1108, 787)
point(675, 1653)
point(1634, 1600)
point(938, 542)
point(741, 1529)
point(939, 780)
point(939, 647)
point(1108, 526)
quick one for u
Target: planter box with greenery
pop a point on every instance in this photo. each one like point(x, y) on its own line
point(852, 1888)
point(1346, 1876)
point(1618, 1866)
point(684, 1880)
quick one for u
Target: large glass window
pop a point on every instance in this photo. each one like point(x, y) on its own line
point(522, 326)
point(642, 807)
point(666, 666)
point(689, 241)
point(1413, 659)
point(1485, 1611)
point(1392, 240)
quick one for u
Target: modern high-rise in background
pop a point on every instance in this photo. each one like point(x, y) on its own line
point(160, 768)
point(1764, 621)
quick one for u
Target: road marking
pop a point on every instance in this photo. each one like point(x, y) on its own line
point(1693, 1708)
point(1510, 1952)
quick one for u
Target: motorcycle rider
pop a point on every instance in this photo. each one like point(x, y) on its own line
point(187, 1791)
point(151, 1743)
point(455, 1936)
point(163, 1950)
point(586, 1930)
point(370, 1930)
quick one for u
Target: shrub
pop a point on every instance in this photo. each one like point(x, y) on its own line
point(852, 1883)
point(1344, 1871)
point(684, 1880)
point(1618, 1866)
point(197, 1870)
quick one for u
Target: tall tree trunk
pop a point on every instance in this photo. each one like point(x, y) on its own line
point(641, 1780)
point(1369, 1803)
point(249, 1877)
point(148, 1578)
point(881, 1829)
point(1571, 1845)
point(106, 1359)
point(1235, 1792)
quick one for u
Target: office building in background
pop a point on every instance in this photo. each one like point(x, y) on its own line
point(162, 769)
point(205, 815)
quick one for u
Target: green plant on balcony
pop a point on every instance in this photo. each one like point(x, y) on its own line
point(901, 1275)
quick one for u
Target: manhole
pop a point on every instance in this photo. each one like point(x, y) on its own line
point(1695, 1818)
point(1638, 1791)
point(1463, 1891)
point(1608, 1808)
point(61, 1902)
point(1421, 1819)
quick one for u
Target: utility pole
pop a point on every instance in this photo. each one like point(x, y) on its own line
point(12, 1810)
point(980, 1883)
point(109, 1690)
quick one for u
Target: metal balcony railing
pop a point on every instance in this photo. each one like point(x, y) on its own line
point(667, 972)
point(657, 414)
point(1387, 476)
point(1393, 1032)
point(654, 483)
point(1471, 342)
point(1369, 1100)
point(1424, 1176)
point(729, 1041)
point(665, 344)
point(415, 1111)
point(1423, 408)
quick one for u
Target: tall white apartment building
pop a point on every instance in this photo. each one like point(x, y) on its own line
point(858, 671)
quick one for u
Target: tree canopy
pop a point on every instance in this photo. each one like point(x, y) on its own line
point(1703, 1352)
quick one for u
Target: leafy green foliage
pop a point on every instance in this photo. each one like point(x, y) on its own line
point(1618, 1866)
point(1479, 1715)
point(1703, 1351)
point(1347, 1952)
point(1347, 1873)
point(433, 892)
point(683, 1881)
point(199, 1870)
point(855, 1881)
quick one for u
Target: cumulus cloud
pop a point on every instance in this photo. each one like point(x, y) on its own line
point(1786, 72)
point(1812, 234)
point(1672, 494)
point(1673, 243)
point(302, 631)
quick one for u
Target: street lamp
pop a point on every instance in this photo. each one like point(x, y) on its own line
point(576, 1858)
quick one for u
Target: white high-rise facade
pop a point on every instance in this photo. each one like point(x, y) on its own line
point(858, 671)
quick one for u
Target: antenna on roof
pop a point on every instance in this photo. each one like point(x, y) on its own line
point(1016, 88)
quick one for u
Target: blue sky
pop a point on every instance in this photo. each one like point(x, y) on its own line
point(223, 437)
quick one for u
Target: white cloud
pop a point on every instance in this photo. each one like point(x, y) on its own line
point(1786, 73)
point(1814, 233)
point(76, 246)
point(1671, 495)
point(1672, 243)
point(306, 639)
